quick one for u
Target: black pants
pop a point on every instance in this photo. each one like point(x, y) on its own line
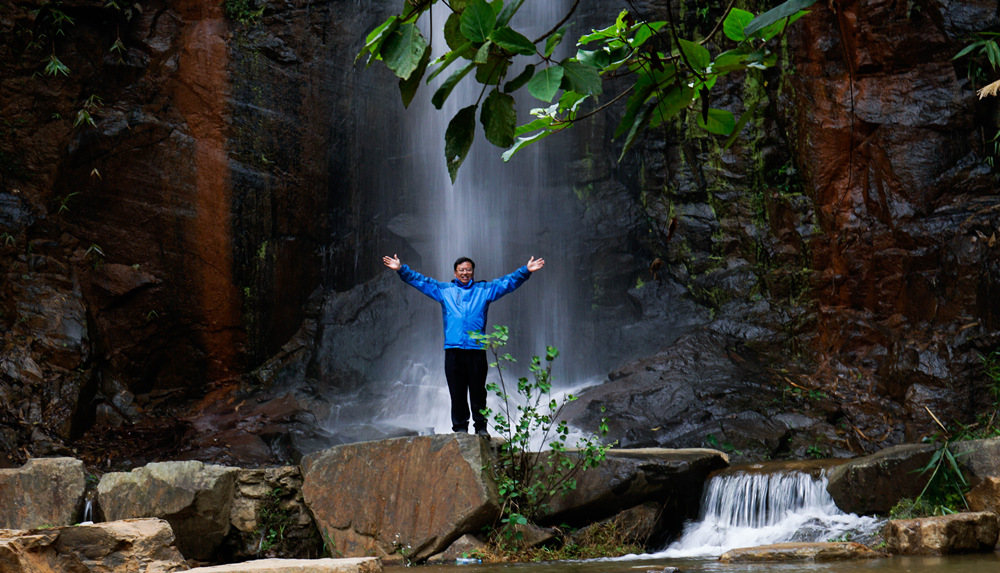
point(466, 373)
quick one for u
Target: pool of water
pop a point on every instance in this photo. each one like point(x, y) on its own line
point(978, 563)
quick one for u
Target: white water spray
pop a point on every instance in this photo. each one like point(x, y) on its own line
point(744, 509)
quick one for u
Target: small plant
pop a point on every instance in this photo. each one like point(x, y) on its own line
point(526, 479)
point(726, 446)
point(84, 115)
point(244, 11)
point(272, 519)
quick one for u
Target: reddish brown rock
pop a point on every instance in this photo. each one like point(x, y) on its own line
point(401, 498)
point(956, 533)
point(985, 496)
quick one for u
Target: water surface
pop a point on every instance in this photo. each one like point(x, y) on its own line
point(978, 563)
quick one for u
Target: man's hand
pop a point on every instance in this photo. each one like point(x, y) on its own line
point(535, 264)
point(392, 262)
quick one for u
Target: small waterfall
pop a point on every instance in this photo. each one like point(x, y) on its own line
point(745, 509)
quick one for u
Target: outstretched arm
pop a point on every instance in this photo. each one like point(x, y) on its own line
point(392, 262)
point(535, 264)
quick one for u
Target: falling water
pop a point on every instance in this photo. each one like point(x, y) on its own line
point(746, 509)
point(499, 215)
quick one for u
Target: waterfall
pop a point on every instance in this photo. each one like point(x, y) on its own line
point(746, 509)
point(499, 215)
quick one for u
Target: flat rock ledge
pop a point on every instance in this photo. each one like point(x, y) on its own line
point(939, 535)
point(127, 546)
point(799, 552)
point(350, 565)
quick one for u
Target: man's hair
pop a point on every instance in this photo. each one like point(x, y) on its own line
point(464, 260)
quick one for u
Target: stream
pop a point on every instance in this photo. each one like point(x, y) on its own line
point(977, 563)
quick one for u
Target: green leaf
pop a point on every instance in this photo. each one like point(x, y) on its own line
point(720, 122)
point(512, 41)
point(458, 139)
point(499, 118)
point(734, 24)
point(408, 87)
point(522, 78)
point(449, 84)
point(642, 120)
point(697, 56)
point(643, 32)
point(570, 101)
point(523, 142)
point(447, 59)
point(600, 59)
point(545, 84)
point(478, 21)
point(453, 35)
point(729, 61)
point(580, 77)
point(776, 28)
point(508, 12)
point(375, 38)
point(540, 123)
point(483, 53)
point(403, 50)
point(554, 40)
point(494, 70)
point(642, 91)
point(774, 14)
point(672, 102)
point(741, 124)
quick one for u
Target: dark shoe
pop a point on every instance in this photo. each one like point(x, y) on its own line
point(482, 432)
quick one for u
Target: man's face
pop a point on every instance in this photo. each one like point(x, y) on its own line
point(463, 272)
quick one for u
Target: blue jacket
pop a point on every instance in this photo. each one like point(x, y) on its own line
point(463, 307)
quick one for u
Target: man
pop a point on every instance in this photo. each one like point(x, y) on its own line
point(464, 303)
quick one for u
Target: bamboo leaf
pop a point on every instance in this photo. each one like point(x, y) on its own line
point(773, 15)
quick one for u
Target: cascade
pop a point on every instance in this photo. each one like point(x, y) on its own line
point(746, 509)
point(499, 215)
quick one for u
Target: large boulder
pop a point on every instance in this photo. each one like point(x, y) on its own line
point(404, 498)
point(43, 492)
point(129, 546)
point(875, 483)
point(626, 478)
point(985, 496)
point(956, 533)
point(350, 565)
point(195, 498)
point(799, 552)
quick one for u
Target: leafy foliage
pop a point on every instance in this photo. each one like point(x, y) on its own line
point(666, 73)
point(527, 479)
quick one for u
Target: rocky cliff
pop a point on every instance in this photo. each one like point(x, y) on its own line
point(835, 270)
